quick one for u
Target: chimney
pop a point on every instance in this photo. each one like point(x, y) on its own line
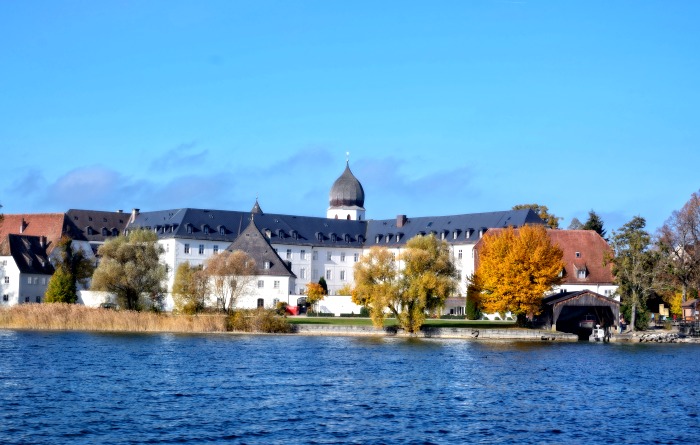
point(400, 220)
point(22, 226)
point(120, 211)
point(134, 214)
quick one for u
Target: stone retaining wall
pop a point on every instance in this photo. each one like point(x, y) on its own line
point(429, 332)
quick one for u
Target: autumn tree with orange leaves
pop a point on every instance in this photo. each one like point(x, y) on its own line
point(515, 269)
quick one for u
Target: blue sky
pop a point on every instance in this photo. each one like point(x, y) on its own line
point(445, 107)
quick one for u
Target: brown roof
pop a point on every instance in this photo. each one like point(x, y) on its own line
point(591, 249)
point(51, 225)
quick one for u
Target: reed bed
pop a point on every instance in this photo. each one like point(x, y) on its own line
point(62, 316)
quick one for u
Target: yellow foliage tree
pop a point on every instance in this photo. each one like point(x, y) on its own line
point(516, 268)
point(376, 283)
point(428, 277)
point(314, 293)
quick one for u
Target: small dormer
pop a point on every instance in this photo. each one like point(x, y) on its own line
point(377, 238)
point(333, 237)
point(205, 229)
point(399, 235)
point(468, 233)
point(280, 233)
point(189, 228)
point(388, 237)
point(294, 234)
point(455, 233)
point(89, 231)
point(104, 231)
point(222, 230)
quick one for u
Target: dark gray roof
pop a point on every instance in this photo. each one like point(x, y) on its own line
point(456, 228)
point(97, 226)
point(254, 243)
point(347, 191)
point(225, 225)
point(29, 255)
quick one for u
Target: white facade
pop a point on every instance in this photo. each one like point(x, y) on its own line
point(20, 288)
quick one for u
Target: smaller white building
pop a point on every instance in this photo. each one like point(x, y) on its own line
point(25, 269)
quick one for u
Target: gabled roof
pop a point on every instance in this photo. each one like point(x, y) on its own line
point(103, 225)
point(51, 225)
point(591, 249)
point(28, 253)
point(588, 295)
point(254, 243)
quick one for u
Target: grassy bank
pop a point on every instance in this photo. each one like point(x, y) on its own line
point(436, 323)
point(60, 316)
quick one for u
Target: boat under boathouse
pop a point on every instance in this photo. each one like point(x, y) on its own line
point(579, 312)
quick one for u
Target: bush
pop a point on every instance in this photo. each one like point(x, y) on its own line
point(258, 320)
point(451, 317)
point(364, 312)
point(320, 314)
point(353, 315)
point(473, 310)
point(281, 308)
point(641, 323)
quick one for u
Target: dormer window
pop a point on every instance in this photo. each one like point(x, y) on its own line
point(295, 234)
point(267, 265)
point(206, 229)
point(347, 238)
point(189, 228)
point(104, 231)
point(387, 238)
point(115, 232)
point(319, 237)
point(581, 274)
point(222, 230)
point(90, 231)
point(398, 237)
point(377, 238)
point(578, 254)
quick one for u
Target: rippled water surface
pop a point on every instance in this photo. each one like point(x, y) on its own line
point(66, 387)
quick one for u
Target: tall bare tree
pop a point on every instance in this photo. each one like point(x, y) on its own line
point(679, 244)
point(231, 275)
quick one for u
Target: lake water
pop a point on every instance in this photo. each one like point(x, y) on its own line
point(69, 387)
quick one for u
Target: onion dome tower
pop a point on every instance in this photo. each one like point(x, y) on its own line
point(347, 197)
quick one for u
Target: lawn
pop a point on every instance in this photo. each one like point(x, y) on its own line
point(437, 323)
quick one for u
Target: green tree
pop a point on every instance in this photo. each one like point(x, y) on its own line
point(541, 211)
point(231, 275)
point(594, 222)
point(516, 267)
point(190, 289)
point(324, 285)
point(72, 265)
point(633, 266)
point(427, 278)
point(678, 241)
point(61, 288)
point(130, 269)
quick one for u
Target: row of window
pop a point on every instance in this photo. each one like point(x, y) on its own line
point(275, 284)
point(215, 249)
point(6, 298)
point(329, 255)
